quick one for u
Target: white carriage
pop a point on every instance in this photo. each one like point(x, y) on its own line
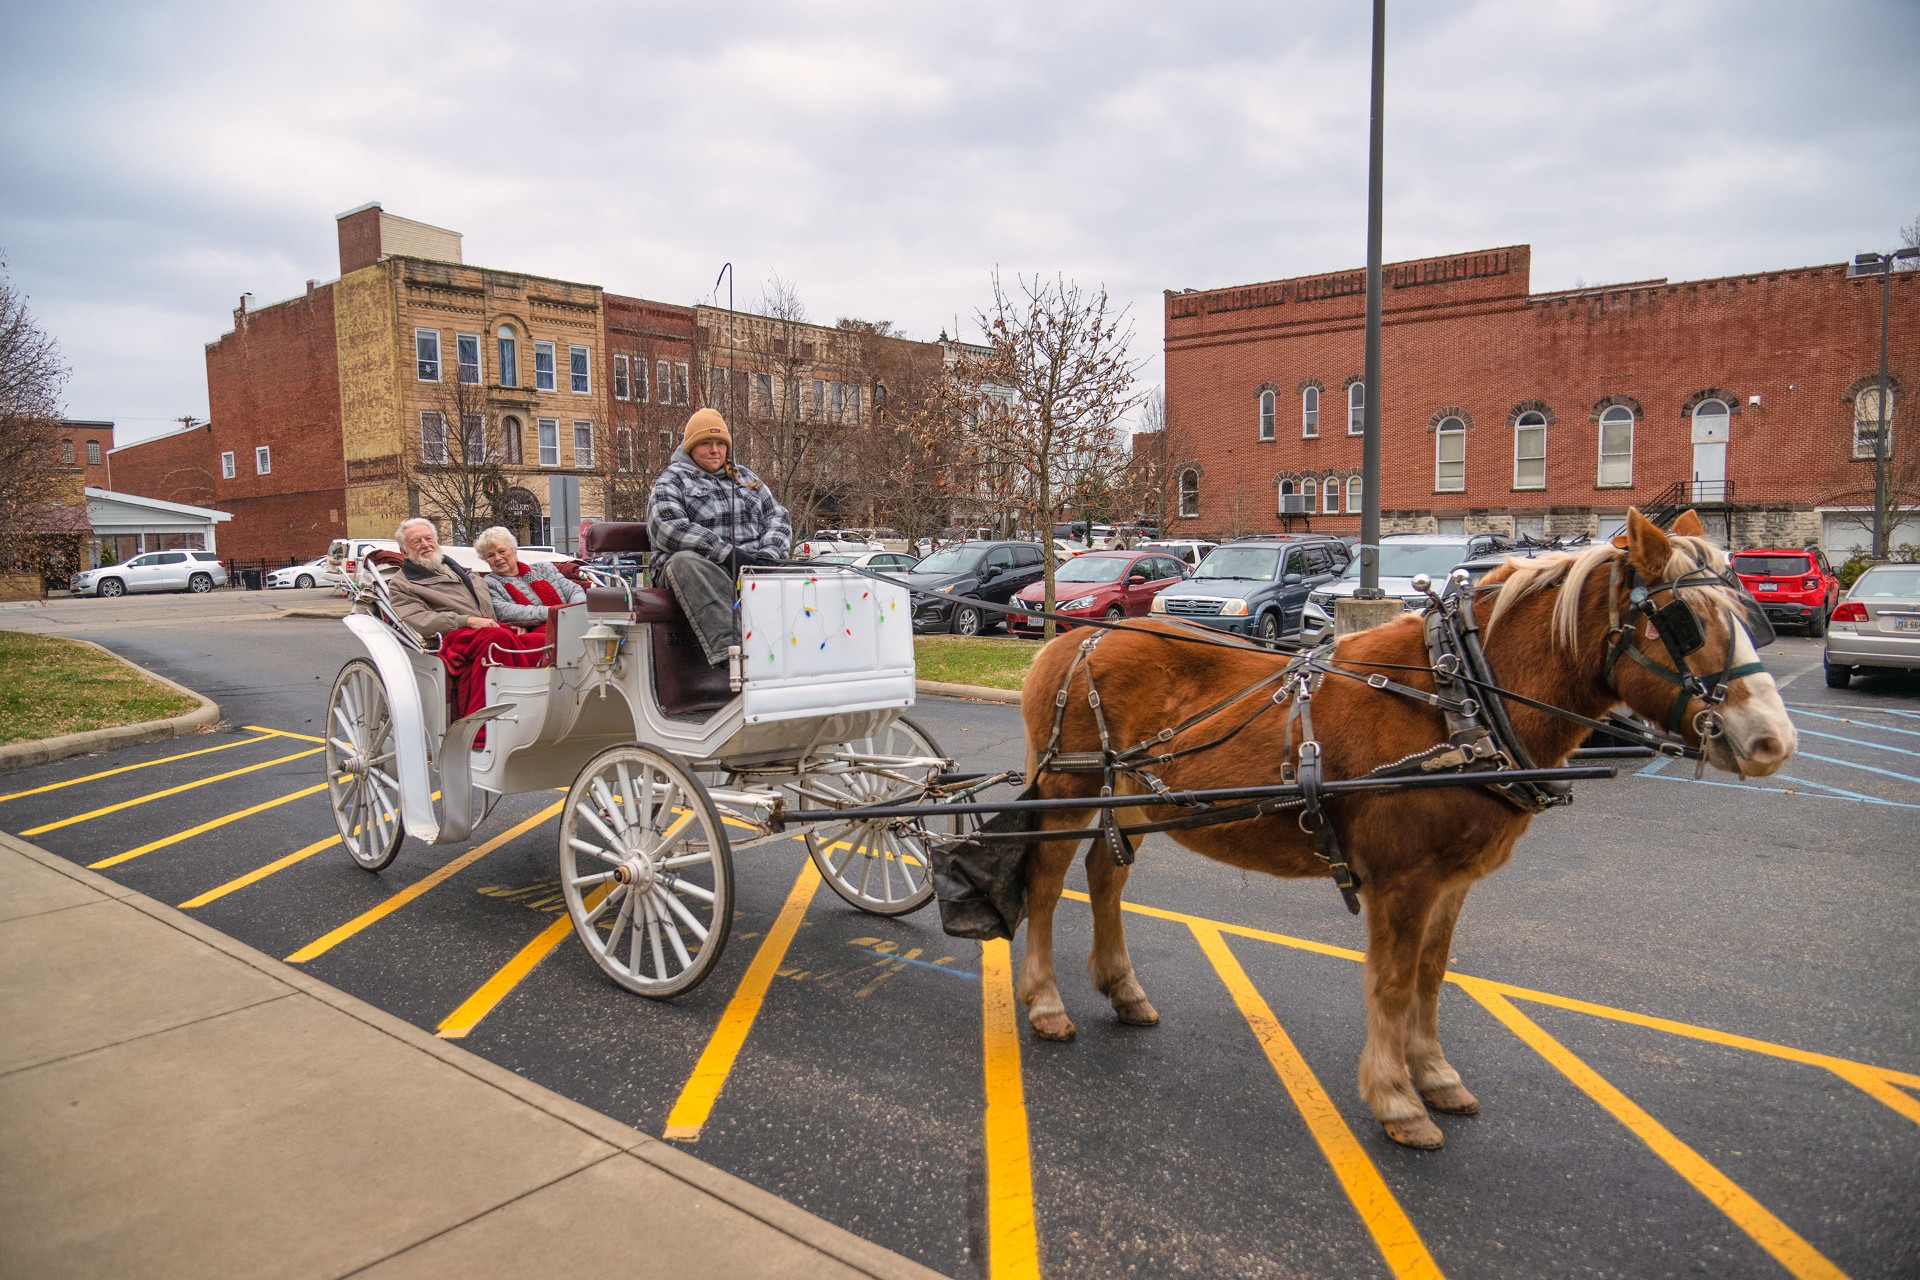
point(669, 764)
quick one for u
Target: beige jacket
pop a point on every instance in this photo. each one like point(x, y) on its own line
point(434, 603)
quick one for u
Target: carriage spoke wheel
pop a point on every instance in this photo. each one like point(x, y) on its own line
point(646, 870)
point(362, 783)
point(880, 865)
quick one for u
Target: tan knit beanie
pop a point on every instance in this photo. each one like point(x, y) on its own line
point(706, 424)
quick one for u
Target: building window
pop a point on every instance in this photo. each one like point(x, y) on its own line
point(1310, 490)
point(1286, 491)
point(426, 354)
point(1266, 415)
point(549, 442)
point(510, 452)
point(262, 460)
point(663, 384)
point(93, 451)
point(640, 379)
point(1189, 494)
point(1330, 496)
point(1356, 408)
point(1530, 451)
point(582, 444)
point(1616, 447)
point(433, 438)
point(1353, 494)
point(1866, 420)
point(66, 452)
point(473, 438)
point(467, 347)
point(763, 394)
point(1310, 412)
point(680, 383)
point(1450, 456)
point(620, 389)
point(819, 399)
point(577, 368)
point(227, 468)
point(543, 372)
point(509, 358)
point(623, 459)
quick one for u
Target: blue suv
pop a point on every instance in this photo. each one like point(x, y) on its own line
point(1255, 586)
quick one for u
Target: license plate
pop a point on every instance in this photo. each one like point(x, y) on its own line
point(1906, 624)
point(1017, 619)
point(1769, 586)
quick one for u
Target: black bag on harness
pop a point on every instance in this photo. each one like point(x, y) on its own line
point(982, 884)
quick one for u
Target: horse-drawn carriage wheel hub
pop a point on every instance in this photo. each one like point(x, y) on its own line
point(354, 765)
point(637, 871)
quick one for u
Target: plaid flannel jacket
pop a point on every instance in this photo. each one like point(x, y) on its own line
point(695, 510)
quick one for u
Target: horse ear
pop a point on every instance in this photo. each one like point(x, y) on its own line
point(1688, 523)
point(1648, 549)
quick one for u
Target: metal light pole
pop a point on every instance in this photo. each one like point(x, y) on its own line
point(726, 270)
point(1885, 263)
point(1370, 421)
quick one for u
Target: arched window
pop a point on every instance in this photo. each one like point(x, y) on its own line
point(510, 440)
point(1530, 451)
point(1310, 490)
point(1266, 414)
point(1866, 419)
point(1310, 412)
point(1353, 493)
point(509, 358)
point(1286, 487)
point(1330, 495)
point(1450, 456)
point(1356, 408)
point(1616, 446)
point(1189, 494)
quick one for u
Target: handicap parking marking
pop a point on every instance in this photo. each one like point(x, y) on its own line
point(1881, 728)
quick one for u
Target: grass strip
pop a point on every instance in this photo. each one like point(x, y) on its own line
point(50, 687)
point(997, 662)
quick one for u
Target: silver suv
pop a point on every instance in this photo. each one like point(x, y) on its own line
point(1402, 555)
point(195, 571)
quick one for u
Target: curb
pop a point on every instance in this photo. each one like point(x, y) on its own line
point(977, 692)
point(22, 755)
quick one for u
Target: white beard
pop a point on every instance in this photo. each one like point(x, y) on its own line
point(435, 561)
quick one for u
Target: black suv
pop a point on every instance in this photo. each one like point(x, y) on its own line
point(991, 571)
point(1255, 586)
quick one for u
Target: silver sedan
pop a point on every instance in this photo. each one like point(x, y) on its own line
point(1877, 627)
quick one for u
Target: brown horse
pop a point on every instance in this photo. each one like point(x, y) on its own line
point(1547, 634)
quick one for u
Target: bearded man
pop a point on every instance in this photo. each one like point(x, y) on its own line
point(439, 597)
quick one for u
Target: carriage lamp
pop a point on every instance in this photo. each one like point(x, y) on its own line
point(603, 650)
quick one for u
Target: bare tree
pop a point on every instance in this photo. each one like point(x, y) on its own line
point(1855, 497)
point(1050, 393)
point(457, 470)
point(645, 427)
point(38, 492)
point(906, 445)
point(1910, 237)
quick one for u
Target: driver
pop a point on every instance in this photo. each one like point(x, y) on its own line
point(710, 515)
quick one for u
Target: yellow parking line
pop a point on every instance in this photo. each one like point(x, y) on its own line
point(283, 733)
point(1392, 1230)
point(170, 791)
point(1013, 1240)
point(457, 1024)
point(1771, 1234)
point(204, 827)
point(129, 768)
point(702, 1090)
point(322, 945)
point(1875, 1086)
point(255, 876)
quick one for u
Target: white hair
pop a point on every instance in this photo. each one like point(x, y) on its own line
point(400, 534)
point(496, 536)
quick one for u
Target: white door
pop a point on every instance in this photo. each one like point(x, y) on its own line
point(1710, 421)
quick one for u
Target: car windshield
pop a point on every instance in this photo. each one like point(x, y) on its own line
point(1759, 566)
point(1405, 559)
point(838, 557)
point(1240, 562)
point(1090, 569)
point(1885, 582)
point(952, 560)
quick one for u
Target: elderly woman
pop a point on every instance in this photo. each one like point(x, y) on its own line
point(522, 593)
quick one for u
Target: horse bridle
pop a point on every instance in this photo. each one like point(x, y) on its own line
point(1678, 629)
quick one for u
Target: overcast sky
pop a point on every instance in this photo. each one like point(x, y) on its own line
point(160, 160)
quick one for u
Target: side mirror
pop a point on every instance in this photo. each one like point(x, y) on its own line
point(1136, 577)
point(989, 573)
point(1292, 580)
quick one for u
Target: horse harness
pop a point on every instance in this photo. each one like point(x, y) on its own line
point(1480, 735)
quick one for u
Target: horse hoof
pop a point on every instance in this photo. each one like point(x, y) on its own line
point(1453, 1099)
point(1138, 1014)
point(1054, 1027)
point(1421, 1134)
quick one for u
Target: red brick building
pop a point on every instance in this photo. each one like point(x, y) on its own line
point(85, 445)
point(1508, 410)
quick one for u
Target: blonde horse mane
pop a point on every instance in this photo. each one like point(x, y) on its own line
point(1518, 579)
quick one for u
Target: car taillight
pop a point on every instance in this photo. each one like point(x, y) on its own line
point(349, 566)
point(1851, 611)
point(1810, 584)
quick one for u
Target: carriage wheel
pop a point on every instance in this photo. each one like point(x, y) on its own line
point(880, 866)
point(361, 786)
point(646, 870)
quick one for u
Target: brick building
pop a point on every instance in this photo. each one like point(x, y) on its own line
point(1751, 397)
point(85, 445)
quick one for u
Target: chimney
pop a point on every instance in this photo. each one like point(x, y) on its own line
point(359, 231)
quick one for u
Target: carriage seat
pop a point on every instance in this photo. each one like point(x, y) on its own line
point(683, 684)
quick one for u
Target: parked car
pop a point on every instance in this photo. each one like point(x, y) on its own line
point(878, 561)
point(1101, 584)
point(1190, 550)
point(991, 571)
point(345, 554)
point(1256, 586)
point(317, 572)
point(832, 542)
point(1877, 627)
point(1402, 555)
point(1065, 549)
point(1794, 587)
point(195, 571)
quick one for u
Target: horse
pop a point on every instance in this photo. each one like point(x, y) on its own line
point(1551, 633)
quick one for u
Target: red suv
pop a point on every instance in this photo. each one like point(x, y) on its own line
point(1100, 584)
point(1795, 587)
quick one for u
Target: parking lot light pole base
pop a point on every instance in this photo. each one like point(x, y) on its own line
point(1351, 615)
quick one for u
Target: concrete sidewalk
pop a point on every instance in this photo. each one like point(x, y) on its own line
point(173, 1103)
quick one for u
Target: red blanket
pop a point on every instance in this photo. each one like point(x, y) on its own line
point(469, 651)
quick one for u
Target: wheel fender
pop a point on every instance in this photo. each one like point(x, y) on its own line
point(409, 725)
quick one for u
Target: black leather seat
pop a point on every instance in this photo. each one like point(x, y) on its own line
point(683, 683)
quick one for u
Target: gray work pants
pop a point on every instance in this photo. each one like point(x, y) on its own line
point(705, 592)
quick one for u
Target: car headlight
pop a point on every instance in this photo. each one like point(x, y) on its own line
point(1234, 609)
point(945, 591)
point(1321, 598)
point(1159, 605)
point(1078, 602)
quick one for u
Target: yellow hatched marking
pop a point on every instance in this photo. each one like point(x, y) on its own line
point(457, 1024)
point(129, 768)
point(321, 946)
point(283, 733)
point(1771, 1234)
point(1392, 1230)
point(171, 791)
point(1013, 1241)
point(204, 827)
point(254, 877)
point(702, 1090)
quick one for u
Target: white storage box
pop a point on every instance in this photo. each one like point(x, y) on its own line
point(823, 640)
